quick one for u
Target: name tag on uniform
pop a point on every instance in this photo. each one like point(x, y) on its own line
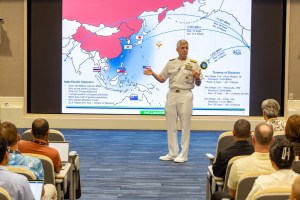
point(188, 66)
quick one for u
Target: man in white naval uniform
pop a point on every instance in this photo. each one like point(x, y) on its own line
point(183, 73)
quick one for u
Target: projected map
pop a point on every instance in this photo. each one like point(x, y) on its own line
point(107, 43)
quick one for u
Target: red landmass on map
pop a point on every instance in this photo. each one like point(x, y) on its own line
point(107, 46)
point(112, 13)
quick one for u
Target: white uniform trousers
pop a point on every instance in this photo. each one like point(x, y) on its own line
point(179, 105)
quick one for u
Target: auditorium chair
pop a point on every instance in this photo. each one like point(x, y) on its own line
point(54, 135)
point(60, 185)
point(296, 165)
point(214, 183)
point(246, 183)
point(279, 134)
point(4, 195)
point(225, 140)
point(21, 170)
point(74, 174)
point(276, 193)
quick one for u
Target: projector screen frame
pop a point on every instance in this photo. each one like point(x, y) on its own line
point(35, 84)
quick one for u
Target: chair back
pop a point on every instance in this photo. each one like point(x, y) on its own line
point(21, 170)
point(245, 184)
point(27, 135)
point(279, 134)
point(296, 165)
point(4, 195)
point(54, 135)
point(229, 165)
point(225, 140)
point(48, 167)
point(273, 194)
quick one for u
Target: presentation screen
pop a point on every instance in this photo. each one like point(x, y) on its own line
point(88, 56)
point(107, 44)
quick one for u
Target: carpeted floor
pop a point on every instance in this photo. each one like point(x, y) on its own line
point(124, 164)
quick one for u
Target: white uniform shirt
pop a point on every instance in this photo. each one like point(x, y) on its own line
point(179, 73)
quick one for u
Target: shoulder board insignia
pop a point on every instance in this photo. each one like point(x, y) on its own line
point(172, 59)
point(193, 61)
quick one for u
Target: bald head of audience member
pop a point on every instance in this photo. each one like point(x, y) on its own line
point(10, 132)
point(40, 129)
point(263, 137)
point(241, 129)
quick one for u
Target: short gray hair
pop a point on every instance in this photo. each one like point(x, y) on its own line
point(180, 42)
point(270, 107)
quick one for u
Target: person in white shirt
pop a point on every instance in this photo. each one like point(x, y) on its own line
point(183, 74)
point(282, 157)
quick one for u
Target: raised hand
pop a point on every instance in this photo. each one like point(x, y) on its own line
point(148, 71)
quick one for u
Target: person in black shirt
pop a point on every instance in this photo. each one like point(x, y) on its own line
point(241, 146)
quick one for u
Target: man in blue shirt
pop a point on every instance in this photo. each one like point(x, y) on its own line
point(9, 131)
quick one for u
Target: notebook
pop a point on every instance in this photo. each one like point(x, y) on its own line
point(63, 150)
point(36, 188)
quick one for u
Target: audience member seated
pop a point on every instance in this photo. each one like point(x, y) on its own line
point(270, 109)
point(241, 132)
point(9, 132)
point(295, 195)
point(259, 161)
point(282, 157)
point(16, 185)
point(39, 143)
point(292, 132)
